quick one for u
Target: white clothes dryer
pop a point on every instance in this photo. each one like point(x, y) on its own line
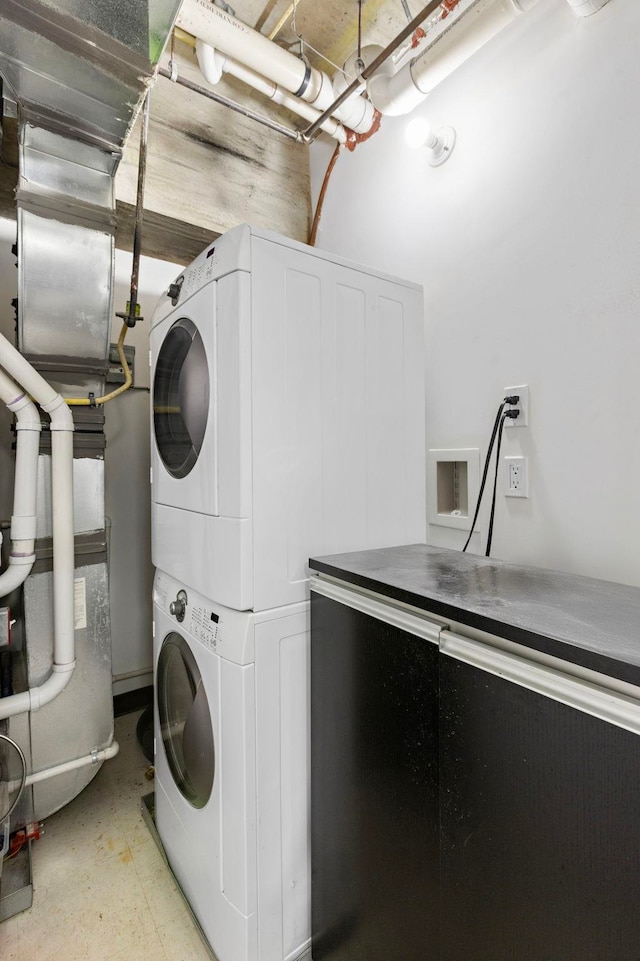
point(288, 417)
point(232, 769)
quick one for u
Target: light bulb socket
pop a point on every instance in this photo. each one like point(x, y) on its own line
point(443, 148)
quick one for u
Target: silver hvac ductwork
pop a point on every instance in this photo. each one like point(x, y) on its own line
point(78, 71)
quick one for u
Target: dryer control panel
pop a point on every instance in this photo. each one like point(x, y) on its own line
point(227, 254)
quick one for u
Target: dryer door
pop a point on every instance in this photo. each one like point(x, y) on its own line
point(181, 398)
point(184, 398)
point(185, 721)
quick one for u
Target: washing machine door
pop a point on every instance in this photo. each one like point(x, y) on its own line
point(185, 721)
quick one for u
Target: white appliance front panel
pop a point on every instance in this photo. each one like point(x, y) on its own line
point(228, 253)
point(213, 555)
point(211, 849)
point(249, 845)
point(209, 545)
point(315, 442)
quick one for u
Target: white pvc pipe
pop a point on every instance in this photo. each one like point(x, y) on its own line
point(212, 64)
point(96, 757)
point(245, 45)
point(584, 8)
point(63, 542)
point(23, 520)
point(459, 36)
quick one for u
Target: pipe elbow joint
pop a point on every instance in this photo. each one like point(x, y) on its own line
point(16, 573)
point(55, 684)
point(60, 414)
point(27, 416)
point(211, 62)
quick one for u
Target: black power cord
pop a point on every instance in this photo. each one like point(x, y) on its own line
point(507, 414)
point(497, 426)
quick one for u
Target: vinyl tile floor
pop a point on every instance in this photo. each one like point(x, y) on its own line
point(101, 890)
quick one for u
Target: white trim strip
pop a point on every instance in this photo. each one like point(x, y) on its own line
point(618, 709)
point(411, 620)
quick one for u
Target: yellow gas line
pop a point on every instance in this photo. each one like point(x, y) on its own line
point(128, 380)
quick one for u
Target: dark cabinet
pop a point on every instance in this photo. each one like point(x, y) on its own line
point(374, 775)
point(459, 814)
point(540, 826)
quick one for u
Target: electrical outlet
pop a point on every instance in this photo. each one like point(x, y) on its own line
point(516, 477)
point(522, 420)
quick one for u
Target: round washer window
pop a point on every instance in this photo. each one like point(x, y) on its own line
point(185, 721)
point(181, 397)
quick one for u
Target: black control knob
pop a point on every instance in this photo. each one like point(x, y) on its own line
point(179, 606)
point(173, 291)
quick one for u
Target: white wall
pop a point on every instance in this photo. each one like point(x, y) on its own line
point(527, 242)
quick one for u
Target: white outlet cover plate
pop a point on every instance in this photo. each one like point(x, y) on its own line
point(521, 466)
point(472, 456)
point(523, 405)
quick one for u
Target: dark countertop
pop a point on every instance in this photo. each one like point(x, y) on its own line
point(589, 622)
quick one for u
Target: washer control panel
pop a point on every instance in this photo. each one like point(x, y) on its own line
point(204, 625)
point(224, 632)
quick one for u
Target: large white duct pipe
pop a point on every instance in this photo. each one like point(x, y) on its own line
point(23, 520)
point(462, 33)
point(213, 64)
point(63, 546)
point(584, 8)
point(246, 46)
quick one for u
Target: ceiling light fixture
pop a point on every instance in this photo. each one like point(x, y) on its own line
point(418, 134)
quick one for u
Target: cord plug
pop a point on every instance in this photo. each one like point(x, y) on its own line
point(512, 399)
point(512, 413)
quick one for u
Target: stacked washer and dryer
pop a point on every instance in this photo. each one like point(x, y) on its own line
point(288, 421)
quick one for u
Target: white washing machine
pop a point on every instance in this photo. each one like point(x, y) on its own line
point(232, 769)
point(288, 417)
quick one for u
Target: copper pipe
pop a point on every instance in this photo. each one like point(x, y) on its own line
point(130, 319)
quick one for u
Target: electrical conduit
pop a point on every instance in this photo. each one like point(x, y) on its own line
point(63, 543)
